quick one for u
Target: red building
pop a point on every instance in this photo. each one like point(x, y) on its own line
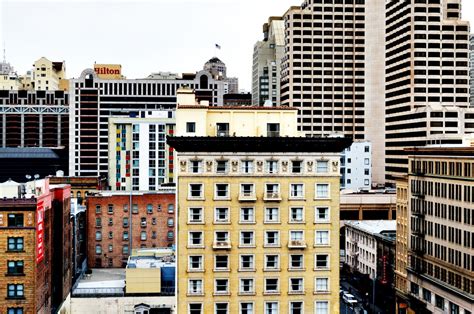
point(118, 222)
point(30, 237)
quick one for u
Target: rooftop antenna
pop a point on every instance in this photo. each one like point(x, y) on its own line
point(4, 53)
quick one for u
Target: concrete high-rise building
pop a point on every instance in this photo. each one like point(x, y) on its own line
point(440, 230)
point(218, 70)
point(356, 167)
point(95, 100)
point(49, 75)
point(472, 69)
point(267, 57)
point(258, 212)
point(139, 158)
point(333, 71)
point(427, 69)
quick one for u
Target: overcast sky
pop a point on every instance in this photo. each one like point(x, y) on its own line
point(143, 35)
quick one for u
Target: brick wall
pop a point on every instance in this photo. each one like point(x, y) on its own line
point(158, 222)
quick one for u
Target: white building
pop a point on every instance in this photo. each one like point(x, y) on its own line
point(361, 243)
point(139, 158)
point(356, 167)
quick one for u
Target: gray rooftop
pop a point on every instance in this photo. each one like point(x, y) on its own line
point(27, 152)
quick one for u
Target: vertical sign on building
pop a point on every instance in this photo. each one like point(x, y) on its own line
point(39, 231)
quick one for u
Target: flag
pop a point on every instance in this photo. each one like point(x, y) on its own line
point(218, 46)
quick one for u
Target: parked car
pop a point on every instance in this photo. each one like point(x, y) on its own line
point(349, 299)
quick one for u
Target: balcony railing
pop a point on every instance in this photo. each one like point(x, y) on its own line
point(247, 196)
point(273, 133)
point(296, 244)
point(272, 196)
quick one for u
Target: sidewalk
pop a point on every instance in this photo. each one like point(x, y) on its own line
point(361, 298)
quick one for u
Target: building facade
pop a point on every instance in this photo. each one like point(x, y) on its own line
point(440, 228)
point(119, 222)
point(427, 65)
point(362, 244)
point(258, 214)
point(34, 118)
point(356, 167)
point(95, 100)
point(267, 56)
point(139, 158)
point(471, 70)
point(368, 205)
point(48, 75)
point(333, 71)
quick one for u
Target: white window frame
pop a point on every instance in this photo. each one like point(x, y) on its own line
point(201, 196)
point(224, 221)
point(191, 269)
point(226, 196)
point(277, 266)
point(316, 216)
point(316, 310)
point(301, 166)
point(246, 302)
point(199, 166)
point(277, 291)
point(272, 302)
point(290, 291)
point(296, 196)
point(293, 267)
point(225, 231)
point(317, 196)
point(195, 303)
point(252, 291)
point(267, 166)
point(190, 244)
point(226, 170)
point(291, 220)
point(252, 244)
point(292, 232)
point(266, 244)
point(293, 301)
point(190, 292)
point(316, 237)
point(322, 170)
point(316, 261)
point(328, 288)
point(277, 221)
point(221, 292)
point(190, 220)
point(252, 192)
point(241, 267)
point(252, 220)
point(216, 269)
point(247, 170)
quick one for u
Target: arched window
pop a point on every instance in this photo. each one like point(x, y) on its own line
point(203, 82)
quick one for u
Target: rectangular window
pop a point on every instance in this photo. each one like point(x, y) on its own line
point(195, 190)
point(195, 238)
point(195, 215)
point(195, 308)
point(322, 261)
point(247, 286)
point(195, 263)
point(322, 190)
point(247, 166)
point(273, 129)
point(222, 166)
point(271, 285)
point(247, 215)
point(322, 307)
point(110, 209)
point(297, 190)
point(272, 238)
point(195, 287)
point(296, 285)
point(246, 263)
point(247, 238)
point(296, 166)
point(221, 286)
point(125, 222)
point(322, 214)
point(272, 191)
point(322, 166)
point(272, 262)
point(15, 267)
point(221, 191)
point(222, 129)
point(195, 166)
point(15, 244)
point(296, 261)
point(271, 166)
point(271, 308)
point(322, 237)
point(15, 220)
point(247, 190)
point(221, 215)
point(296, 307)
point(246, 308)
point(190, 127)
point(296, 214)
point(221, 262)
point(322, 284)
point(272, 215)
point(15, 310)
point(15, 291)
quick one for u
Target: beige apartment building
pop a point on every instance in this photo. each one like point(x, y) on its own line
point(49, 75)
point(440, 270)
point(258, 212)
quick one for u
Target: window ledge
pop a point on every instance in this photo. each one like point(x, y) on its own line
point(271, 293)
point(322, 292)
point(14, 275)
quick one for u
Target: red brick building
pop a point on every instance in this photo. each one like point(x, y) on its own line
point(118, 222)
point(27, 243)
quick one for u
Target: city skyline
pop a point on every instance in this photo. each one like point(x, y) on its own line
point(81, 45)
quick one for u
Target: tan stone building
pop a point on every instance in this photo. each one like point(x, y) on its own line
point(258, 212)
point(440, 230)
point(49, 74)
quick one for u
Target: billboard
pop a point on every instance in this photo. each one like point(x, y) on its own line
point(39, 231)
point(108, 71)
